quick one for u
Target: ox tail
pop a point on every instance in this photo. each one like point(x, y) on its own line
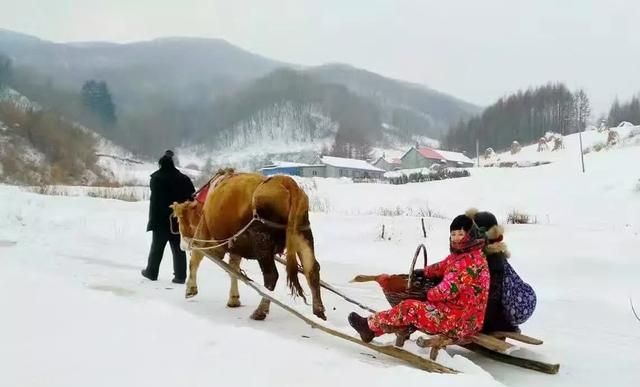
point(292, 240)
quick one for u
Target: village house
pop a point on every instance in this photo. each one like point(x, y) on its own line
point(388, 164)
point(354, 168)
point(326, 166)
point(425, 157)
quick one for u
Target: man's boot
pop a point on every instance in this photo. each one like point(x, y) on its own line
point(146, 275)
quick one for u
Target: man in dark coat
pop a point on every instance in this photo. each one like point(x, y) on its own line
point(497, 254)
point(167, 185)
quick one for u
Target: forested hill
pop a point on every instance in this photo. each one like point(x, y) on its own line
point(524, 116)
point(168, 92)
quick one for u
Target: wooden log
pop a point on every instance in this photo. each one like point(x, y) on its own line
point(517, 337)
point(401, 337)
point(439, 342)
point(398, 353)
point(491, 343)
point(436, 343)
point(534, 365)
point(432, 341)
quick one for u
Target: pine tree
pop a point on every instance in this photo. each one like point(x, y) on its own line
point(614, 113)
point(97, 99)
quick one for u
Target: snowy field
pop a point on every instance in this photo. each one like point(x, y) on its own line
point(76, 312)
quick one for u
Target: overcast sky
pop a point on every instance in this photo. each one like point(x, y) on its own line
point(475, 50)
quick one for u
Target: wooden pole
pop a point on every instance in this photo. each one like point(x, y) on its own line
point(331, 288)
point(634, 309)
point(424, 230)
point(398, 353)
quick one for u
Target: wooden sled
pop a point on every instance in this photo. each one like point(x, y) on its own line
point(396, 287)
point(493, 346)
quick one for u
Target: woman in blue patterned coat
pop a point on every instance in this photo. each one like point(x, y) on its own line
point(511, 300)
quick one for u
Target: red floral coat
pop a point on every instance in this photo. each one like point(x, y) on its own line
point(461, 297)
point(454, 308)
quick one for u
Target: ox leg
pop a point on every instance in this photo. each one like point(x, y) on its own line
point(194, 263)
point(234, 294)
point(269, 272)
point(262, 310)
point(270, 277)
point(311, 269)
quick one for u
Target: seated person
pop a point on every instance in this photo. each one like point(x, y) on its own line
point(455, 307)
point(511, 300)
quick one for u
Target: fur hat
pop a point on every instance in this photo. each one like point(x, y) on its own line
point(461, 222)
point(487, 224)
point(484, 219)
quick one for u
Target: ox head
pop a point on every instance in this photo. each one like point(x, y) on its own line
point(188, 214)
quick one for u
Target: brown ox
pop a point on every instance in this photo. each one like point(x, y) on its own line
point(280, 213)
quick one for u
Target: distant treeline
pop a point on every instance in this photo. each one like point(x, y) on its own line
point(524, 117)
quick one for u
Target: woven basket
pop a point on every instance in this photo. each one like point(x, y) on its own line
point(416, 288)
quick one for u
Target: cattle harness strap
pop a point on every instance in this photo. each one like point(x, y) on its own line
point(226, 241)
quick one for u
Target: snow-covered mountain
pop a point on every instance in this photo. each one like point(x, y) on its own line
point(190, 92)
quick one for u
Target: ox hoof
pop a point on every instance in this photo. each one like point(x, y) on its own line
point(258, 315)
point(319, 312)
point(191, 291)
point(321, 315)
point(233, 302)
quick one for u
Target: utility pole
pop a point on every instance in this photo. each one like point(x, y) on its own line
point(478, 152)
point(581, 153)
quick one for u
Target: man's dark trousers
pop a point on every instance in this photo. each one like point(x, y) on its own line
point(158, 243)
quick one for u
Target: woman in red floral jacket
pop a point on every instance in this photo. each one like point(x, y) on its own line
point(455, 307)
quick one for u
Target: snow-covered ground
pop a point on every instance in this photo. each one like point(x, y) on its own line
point(76, 312)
